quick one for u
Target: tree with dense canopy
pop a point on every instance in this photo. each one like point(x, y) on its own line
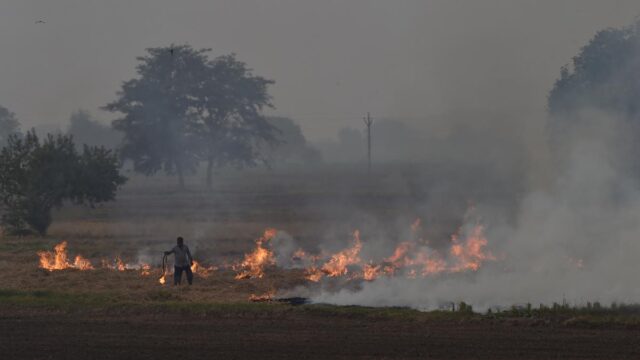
point(185, 108)
point(604, 76)
point(231, 109)
point(37, 176)
point(158, 109)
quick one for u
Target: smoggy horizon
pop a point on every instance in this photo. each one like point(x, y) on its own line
point(332, 61)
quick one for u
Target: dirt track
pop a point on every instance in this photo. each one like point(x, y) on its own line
point(301, 337)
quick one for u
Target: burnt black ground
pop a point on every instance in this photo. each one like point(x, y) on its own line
point(301, 337)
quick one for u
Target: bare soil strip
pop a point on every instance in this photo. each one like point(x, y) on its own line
point(297, 335)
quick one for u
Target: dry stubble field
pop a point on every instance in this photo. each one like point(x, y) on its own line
point(119, 315)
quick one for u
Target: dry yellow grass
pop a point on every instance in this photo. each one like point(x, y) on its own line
point(19, 270)
point(219, 226)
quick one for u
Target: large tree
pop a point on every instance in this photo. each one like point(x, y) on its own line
point(185, 108)
point(159, 107)
point(8, 125)
point(37, 176)
point(234, 127)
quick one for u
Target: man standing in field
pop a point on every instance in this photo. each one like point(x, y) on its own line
point(182, 262)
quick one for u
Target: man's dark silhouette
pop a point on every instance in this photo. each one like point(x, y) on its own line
point(183, 261)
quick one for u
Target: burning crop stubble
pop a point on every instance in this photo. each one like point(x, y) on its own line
point(573, 239)
point(467, 253)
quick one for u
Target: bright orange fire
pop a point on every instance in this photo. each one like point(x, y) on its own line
point(120, 265)
point(400, 257)
point(254, 263)
point(195, 266)
point(81, 263)
point(469, 253)
point(413, 258)
point(429, 263)
point(201, 270)
point(370, 272)
point(313, 274)
point(58, 260)
point(337, 265)
point(145, 270)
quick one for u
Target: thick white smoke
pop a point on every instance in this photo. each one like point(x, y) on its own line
point(578, 240)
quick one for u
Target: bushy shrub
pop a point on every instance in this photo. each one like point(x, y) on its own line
point(37, 176)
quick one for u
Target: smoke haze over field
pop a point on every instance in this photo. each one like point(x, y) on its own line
point(458, 92)
point(577, 241)
point(332, 60)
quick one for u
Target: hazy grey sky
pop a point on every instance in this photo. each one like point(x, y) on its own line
point(332, 60)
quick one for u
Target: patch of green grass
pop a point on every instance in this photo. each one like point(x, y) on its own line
point(566, 310)
point(52, 300)
point(30, 244)
point(156, 301)
point(165, 302)
point(589, 315)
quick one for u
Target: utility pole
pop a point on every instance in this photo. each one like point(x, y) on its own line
point(368, 122)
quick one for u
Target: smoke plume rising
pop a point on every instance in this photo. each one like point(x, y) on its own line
point(577, 240)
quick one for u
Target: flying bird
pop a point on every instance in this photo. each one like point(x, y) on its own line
point(40, 22)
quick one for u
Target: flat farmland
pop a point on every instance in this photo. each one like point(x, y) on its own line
point(106, 314)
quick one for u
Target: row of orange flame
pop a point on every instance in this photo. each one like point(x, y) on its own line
point(411, 258)
point(59, 260)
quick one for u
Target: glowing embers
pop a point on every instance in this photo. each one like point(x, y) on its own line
point(266, 297)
